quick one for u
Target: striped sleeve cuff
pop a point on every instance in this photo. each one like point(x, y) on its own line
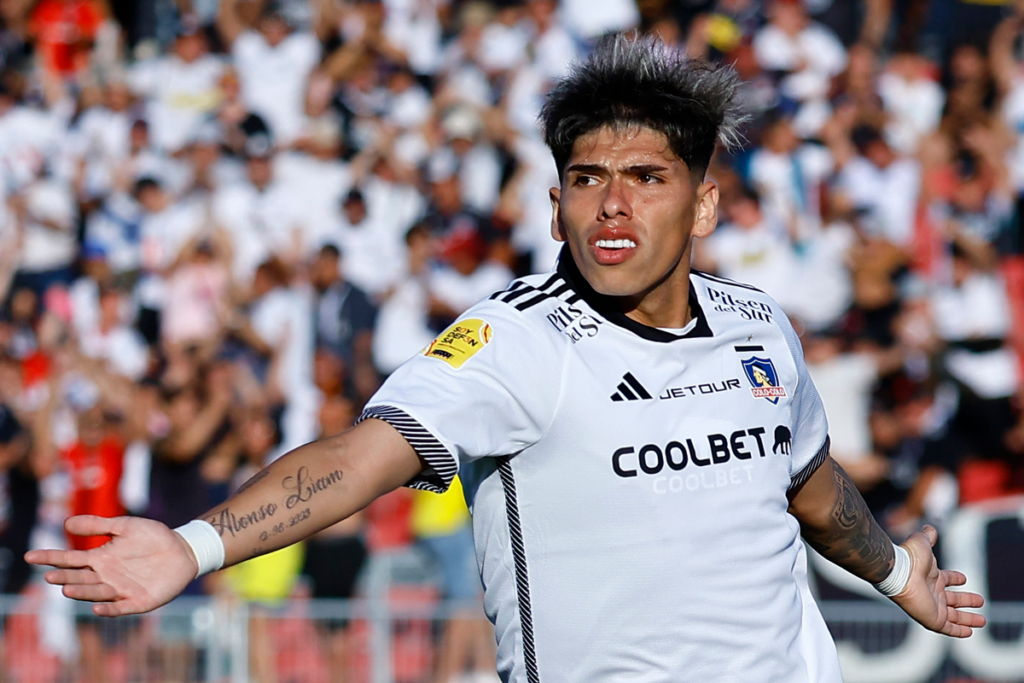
point(809, 469)
point(441, 464)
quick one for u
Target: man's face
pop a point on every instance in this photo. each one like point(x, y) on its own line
point(628, 207)
point(261, 171)
point(274, 30)
point(190, 47)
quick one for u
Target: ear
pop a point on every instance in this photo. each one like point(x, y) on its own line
point(557, 229)
point(705, 214)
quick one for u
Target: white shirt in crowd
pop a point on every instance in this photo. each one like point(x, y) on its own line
point(281, 318)
point(789, 184)
point(459, 291)
point(760, 256)
point(179, 96)
point(977, 310)
point(402, 327)
point(50, 241)
point(274, 79)
point(260, 224)
point(814, 56)
point(318, 187)
point(845, 383)
point(888, 194)
point(373, 255)
point(164, 234)
point(122, 348)
point(915, 108)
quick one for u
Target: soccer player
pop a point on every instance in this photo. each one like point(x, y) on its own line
point(640, 445)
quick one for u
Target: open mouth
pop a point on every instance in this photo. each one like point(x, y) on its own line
point(610, 252)
point(615, 244)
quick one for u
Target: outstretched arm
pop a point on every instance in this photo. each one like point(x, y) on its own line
point(836, 521)
point(146, 565)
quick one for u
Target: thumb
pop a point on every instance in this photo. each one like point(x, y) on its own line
point(91, 525)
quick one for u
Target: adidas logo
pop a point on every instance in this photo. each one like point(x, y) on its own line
point(630, 389)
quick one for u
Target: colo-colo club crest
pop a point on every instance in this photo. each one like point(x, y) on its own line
point(764, 380)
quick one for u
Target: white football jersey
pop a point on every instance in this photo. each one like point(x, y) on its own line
point(628, 485)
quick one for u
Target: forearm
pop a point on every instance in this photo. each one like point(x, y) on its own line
point(836, 522)
point(312, 488)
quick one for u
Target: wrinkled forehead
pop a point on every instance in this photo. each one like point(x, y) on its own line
point(623, 143)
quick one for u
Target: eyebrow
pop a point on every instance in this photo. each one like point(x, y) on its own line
point(637, 169)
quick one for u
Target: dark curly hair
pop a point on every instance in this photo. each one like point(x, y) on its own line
point(629, 82)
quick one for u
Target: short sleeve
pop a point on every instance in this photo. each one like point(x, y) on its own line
point(485, 387)
point(810, 426)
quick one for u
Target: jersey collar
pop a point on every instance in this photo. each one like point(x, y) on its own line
point(604, 305)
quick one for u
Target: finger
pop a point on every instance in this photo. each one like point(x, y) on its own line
point(953, 577)
point(63, 577)
point(117, 608)
point(957, 631)
point(964, 599)
point(931, 534)
point(91, 525)
point(99, 592)
point(968, 619)
point(58, 558)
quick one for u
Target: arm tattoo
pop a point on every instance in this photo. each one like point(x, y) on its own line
point(262, 474)
point(852, 538)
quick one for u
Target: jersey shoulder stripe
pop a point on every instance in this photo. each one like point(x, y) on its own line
point(725, 281)
point(523, 295)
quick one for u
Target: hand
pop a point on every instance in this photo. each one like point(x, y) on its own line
point(926, 598)
point(145, 565)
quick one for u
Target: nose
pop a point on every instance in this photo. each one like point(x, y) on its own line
point(616, 201)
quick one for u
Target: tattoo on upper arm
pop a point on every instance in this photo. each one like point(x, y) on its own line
point(852, 538)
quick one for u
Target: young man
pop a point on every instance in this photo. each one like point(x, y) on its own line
point(641, 446)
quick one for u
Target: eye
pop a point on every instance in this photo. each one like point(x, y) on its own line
point(585, 180)
point(648, 179)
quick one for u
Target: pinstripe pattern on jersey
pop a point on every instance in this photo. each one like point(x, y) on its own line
point(515, 533)
point(805, 474)
point(440, 460)
point(553, 288)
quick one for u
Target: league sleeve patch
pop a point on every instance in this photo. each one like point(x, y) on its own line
point(460, 342)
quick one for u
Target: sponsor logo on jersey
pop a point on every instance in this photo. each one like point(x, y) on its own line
point(630, 389)
point(764, 380)
point(689, 464)
point(460, 342)
point(748, 309)
point(573, 323)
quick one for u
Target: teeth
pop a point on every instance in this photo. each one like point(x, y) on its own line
point(616, 244)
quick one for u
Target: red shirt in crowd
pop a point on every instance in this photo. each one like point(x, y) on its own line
point(63, 30)
point(95, 480)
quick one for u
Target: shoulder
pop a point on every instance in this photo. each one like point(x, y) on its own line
point(712, 281)
point(533, 297)
point(728, 303)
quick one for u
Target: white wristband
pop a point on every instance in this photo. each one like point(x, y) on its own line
point(900, 575)
point(206, 545)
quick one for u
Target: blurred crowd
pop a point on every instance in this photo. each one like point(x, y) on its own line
point(223, 223)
